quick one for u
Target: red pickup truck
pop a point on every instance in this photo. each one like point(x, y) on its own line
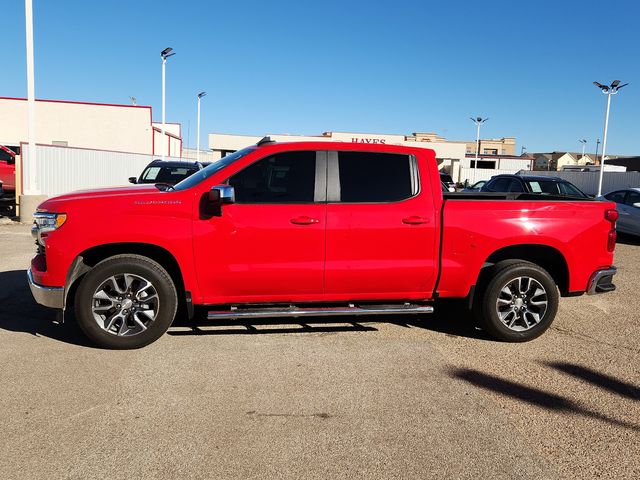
point(315, 229)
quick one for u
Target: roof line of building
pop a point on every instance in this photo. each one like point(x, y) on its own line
point(73, 102)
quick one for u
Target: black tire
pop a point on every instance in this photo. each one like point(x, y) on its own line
point(504, 275)
point(135, 266)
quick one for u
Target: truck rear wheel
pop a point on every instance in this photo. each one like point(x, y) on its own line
point(125, 302)
point(519, 302)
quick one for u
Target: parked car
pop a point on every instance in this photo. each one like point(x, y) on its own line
point(315, 228)
point(532, 184)
point(448, 181)
point(166, 172)
point(476, 187)
point(628, 206)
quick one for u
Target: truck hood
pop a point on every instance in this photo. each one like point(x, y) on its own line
point(109, 194)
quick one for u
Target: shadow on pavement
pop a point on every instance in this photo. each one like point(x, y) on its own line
point(19, 312)
point(450, 317)
point(534, 396)
point(598, 379)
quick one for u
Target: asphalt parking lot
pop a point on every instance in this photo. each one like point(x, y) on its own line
point(404, 397)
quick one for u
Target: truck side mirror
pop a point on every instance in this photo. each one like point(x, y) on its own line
point(133, 179)
point(212, 201)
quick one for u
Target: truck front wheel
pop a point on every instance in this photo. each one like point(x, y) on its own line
point(519, 302)
point(126, 301)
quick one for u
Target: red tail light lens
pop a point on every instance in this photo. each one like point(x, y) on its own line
point(611, 241)
point(611, 215)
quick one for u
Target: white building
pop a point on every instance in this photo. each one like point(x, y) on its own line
point(100, 126)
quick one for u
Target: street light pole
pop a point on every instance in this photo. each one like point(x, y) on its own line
point(597, 147)
point(608, 90)
point(166, 53)
point(478, 121)
point(31, 101)
point(584, 145)
point(200, 95)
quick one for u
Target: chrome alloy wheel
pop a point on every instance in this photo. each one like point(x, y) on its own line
point(125, 304)
point(522, 303)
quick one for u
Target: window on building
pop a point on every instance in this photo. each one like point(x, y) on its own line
point(368, 177)
point(287, 177)
point(490, 151)
point(486, 164)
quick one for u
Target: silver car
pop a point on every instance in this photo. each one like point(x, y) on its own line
point(628, 206)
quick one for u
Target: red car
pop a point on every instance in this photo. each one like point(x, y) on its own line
point(315, 229)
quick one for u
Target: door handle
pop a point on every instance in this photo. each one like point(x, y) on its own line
point(304, 220)
point(415, 220)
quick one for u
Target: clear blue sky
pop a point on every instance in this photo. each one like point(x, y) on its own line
point(365, 66)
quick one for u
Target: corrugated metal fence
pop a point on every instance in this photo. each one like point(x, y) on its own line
point(588, 181)
point(65, 169)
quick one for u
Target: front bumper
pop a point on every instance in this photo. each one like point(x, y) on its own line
point(602, 281)
point(52, 297)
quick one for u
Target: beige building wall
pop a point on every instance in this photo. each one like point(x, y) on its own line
point(124, 128)
point(493, 146)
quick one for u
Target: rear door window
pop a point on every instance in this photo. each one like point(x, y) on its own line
point(617, 197)
point(499, 184)
point(632, 197)
point(373, 177)
point(516, 186)
point(567, 188)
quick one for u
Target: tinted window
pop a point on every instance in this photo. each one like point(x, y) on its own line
point(445, 177)
point(499, 184)
point(617, 197)
point(632, 197)
point(287, 177)
point(516, 186)
point(375, 177)
point(567, 188)
point(544, 186)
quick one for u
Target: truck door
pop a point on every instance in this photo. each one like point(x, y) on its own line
point(381, 227)
point(268, 246)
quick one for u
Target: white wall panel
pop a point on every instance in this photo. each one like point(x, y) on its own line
point(61, 170)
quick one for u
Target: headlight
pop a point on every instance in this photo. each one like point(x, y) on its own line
point(45, 222)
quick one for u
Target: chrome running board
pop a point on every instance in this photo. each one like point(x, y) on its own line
point(293, 311)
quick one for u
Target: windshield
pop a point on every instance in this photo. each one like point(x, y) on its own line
point(163, 174)
point(205, 173)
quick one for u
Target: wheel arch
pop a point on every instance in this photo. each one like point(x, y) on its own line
point(545, 256)
point(90, 257)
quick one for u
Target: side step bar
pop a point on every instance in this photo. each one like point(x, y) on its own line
point(294, 311)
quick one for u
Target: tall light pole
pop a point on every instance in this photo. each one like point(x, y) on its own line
point(31, 101)
point(584, 145)
point(608, 91)
point(478, 121)
point(166, 53)
point(200, 95)
point(598, 142)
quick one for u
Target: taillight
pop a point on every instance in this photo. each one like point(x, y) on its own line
point(611, 215)
point(611, 241)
